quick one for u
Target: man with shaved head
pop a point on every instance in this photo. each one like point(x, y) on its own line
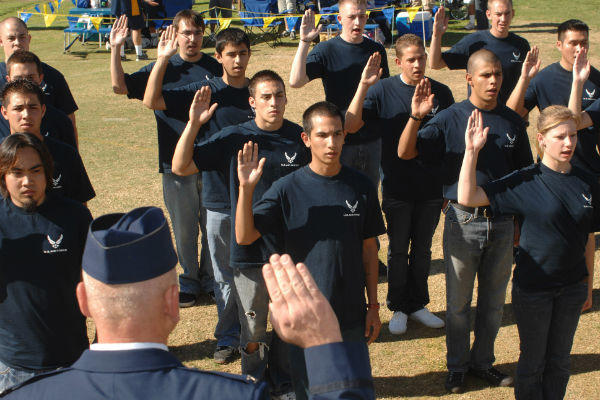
point(510, 49)
point(476, 243)
point(14, 36)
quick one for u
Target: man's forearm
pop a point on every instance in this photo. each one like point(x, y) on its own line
point(72, 118)
point(153, 98)
point(183, 163)
point(435, 53)
point(371, 266)
point(407, 145)
point(298, 76)
point(117, 75)
point(245, 230)
point(516, 101)
point(353, 121)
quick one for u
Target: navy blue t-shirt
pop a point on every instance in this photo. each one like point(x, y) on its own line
point(70, 177)
point(233, 109)
point(178, 73)
point(340, 64)
point(552, 86)
point(322, 221)
point(594, 112)
point(55, 124)
point(557, 213)
point(41, 326)
point(55, 88)
point(284, 152)
point(386, 112)
point(506, 150)
point(511, 51)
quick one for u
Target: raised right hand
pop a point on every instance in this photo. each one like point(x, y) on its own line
point(440, 22)
point(119, 31)
point(308, 31)
point(249, 167)
point(372, 71)
point(167, 45)
point(581, 66)
point(201, 111)
point(422, 100)
point(475, 134)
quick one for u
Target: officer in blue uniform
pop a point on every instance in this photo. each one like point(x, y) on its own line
point(130, 289)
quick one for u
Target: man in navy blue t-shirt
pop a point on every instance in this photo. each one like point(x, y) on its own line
point(281, 145)
point(511, 49)
point(552, 86)
point(23, 107)
point(325, 215)
point(182, 195)
point(55, 123)
point(230, 92)
point(15, 36)
point(412, 191)
point(339, 63)
point(476, 243)
point(42, 237)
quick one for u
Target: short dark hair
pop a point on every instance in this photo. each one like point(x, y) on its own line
point(23, 57)
point(22, 86)
point(408, 40)
point(264, 76)
point(322, 108)
point(483, 55)
point(572, 25)
point(233, 36)
point(188, 15)
point(8, 157)
point(490, 2)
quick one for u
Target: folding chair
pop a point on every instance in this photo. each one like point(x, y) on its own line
point(252, 19)
point(72, 29)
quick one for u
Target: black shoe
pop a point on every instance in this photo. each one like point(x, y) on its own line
point(225, 354)
point(206, 299)
point(455, 381)
point(493, 377)
point(141, 57)
point(186, 299)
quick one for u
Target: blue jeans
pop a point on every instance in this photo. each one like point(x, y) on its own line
point(182, 198)
point(10, 377)
point(547, 321)
point(218, 229)
point(413, 223)
point(475, 246)
point(364, 157)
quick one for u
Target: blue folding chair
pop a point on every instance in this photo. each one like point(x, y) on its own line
point(253, 20)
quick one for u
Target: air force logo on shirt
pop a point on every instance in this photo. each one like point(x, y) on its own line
point(56, 182)
point(54, 245)
point(588, 200)
point(590, 95)
point(290, 158)
point(433, 111)
point(352, 208)
point(511, 140)
point(516, 55)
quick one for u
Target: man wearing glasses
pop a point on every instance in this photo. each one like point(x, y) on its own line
point(181, 194)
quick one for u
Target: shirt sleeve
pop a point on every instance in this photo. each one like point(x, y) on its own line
point(374, 225)
point(81, 188)
point(315, 65)
point(594, 112)
point(504, 194)
point(136, 82)
point(522, 156)
point(430, 141)
point(179, 100)
point(595, 226)
point(458, 56)
point(339, 371)
point(62, 94)
point(384, 64)
point(531, 100)
point(214, 154)
point(268, 218)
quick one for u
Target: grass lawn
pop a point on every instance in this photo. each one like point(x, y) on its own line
point(119, 148)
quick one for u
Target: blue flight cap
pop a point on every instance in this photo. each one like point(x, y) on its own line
point(128, 248)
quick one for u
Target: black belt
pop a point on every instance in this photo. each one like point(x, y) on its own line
point(486, 211)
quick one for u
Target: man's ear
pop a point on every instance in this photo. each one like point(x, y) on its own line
point(172, 303)
point(4, 112)
point(469, 78)
point(306, 139)
point(43, 110)
point(82, 299)
point(218, 57)
point(252, 102)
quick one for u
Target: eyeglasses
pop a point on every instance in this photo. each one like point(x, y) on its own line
point(188, 34)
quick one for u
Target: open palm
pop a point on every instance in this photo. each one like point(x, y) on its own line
point(422, 100)
point(475, 134)
point(119, 31)
point(308, 31)
point(249, 167)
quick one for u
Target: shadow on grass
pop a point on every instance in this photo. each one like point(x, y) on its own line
point(50, 28)
point(432, 383)
point(535, 27)
point(196, 351)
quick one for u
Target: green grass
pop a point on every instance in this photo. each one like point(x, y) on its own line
point(119, 148)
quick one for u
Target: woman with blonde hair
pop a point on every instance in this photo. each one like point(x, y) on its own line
point(558, 210)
